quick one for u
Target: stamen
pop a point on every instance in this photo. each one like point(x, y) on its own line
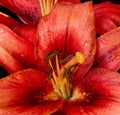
point(67, 75)
point(63, 89)
point(73, 68)
point(61, 78)
point(54, 76)
point(68, 88)
point(52, 54)
point(46, 6)
point(68, 58)
point(57, 65)
point(79, 58)
point(42, 6)
point(54, 80)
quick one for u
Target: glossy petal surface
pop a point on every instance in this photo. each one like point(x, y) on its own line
point(28, 10)
point(59, 31)
point(101, 94)
point(24, 92)
point(9, 62)
point(107, 16)
point(27, 32)
point(18, 47)
point(108, 50)
point(7, 20)
point(72, 1)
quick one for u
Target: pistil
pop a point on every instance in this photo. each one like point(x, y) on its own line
point(61, 78)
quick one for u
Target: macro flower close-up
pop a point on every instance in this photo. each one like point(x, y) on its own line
point(59, 57)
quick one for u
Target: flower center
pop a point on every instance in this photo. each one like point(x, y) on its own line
point(60, 76)
point(46, 6)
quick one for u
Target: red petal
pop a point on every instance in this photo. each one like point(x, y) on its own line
point(59, 31)
point(8, 62)
point(107, 4)
point(104, 24)
point(18, 47)
point(109, 10)
point(108, 50)
point(7, 20)
point(27, 10)
point(27, 32)
point(23, 93)
point(72, 1)
point(102, 94)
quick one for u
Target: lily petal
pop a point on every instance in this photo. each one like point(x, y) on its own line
point(18, 47)
point(104, 24)
point(25, 31)
point(7, 20)
point(109, 10)
point(72, 1)
point(108, 50)
point(9, 63)
point(24, 92)
point(101, 94)
point(59, 31)
point(28, 10)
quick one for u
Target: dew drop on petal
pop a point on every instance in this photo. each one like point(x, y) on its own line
point(1, 31)
point(48, 33)
point(86, 44)
point(117, 57)
point(104, 41)
point(22, 55)
point(109, 104)
point(84, 93)
point(81, 110)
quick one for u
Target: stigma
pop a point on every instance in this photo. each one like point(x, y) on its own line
point(60, 73)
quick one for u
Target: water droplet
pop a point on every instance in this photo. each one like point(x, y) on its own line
point(63, 32)
point(1, 31)
point(86, 44)
point(109, 104)
point(48, 33)
point(81, 110)
point(22, 55)
point(117, 57)
point(84, 93)
point(103, 41)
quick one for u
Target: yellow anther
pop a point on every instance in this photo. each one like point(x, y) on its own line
point(61, 74)
point(80, 57)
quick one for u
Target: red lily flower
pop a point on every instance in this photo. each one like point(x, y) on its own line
point(107, 16)
point(89, 91)
point(30, 92)
point(19, 51)
point(108, 50)
point(29, 11)
point(30, 14)
point(7, 20)
point(69, 38)
point(26, 32)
